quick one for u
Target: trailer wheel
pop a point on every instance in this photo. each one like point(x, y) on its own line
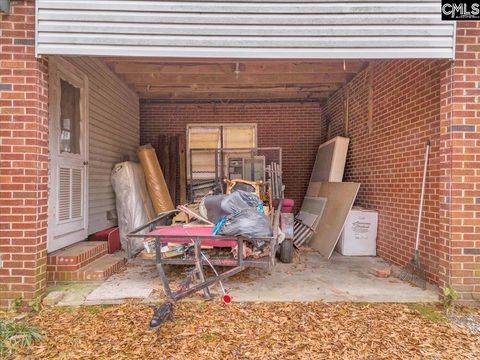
point(286, 251)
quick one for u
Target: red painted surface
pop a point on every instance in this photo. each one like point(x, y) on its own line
point(190, 233)
point(111, 236)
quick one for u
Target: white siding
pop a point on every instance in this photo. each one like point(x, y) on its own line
point(247, 29)
point(113, 132)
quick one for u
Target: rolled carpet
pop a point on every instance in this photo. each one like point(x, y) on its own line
point(156, 185)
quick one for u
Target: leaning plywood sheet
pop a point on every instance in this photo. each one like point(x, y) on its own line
point(340, 200)
point(329, 164)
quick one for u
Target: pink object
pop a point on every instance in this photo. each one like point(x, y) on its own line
point(111, 235)
point(190, 232)
point(287, 205)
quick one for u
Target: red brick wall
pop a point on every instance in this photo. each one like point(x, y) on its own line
point(460, 166)
point(23, 157)
point(295, 127)
point(386, 156)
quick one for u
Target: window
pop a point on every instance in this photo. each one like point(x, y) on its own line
point(218, 136)
point(69, 118)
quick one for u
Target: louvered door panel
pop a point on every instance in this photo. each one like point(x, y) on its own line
point(64, 194)
point(76, 194)
point(70, 194)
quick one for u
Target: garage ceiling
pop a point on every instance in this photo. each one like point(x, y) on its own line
point(200, 80)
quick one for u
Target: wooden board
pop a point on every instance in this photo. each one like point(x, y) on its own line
point(173, 167)
point(329, 163)
point(182, 169)
point(341, 197)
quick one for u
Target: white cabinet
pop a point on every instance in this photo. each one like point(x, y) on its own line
point(359, 236)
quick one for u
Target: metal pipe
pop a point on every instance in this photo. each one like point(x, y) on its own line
point(180, 295)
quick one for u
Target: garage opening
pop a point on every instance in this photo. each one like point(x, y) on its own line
point(387, 110)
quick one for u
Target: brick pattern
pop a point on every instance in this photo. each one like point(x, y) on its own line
point(460, 166)
point(100, 269)
point(23, 157)
point(386, 156)
point(103, 270)
point(83, 261)
point(295, 127)
point(58, 261)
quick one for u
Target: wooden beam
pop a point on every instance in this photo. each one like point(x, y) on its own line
point(182, 165)
point(326, 67)
point(202, 60)
point(236, 89)
point(173, 79)
point(233, 95)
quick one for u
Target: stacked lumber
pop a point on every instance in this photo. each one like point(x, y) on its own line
point(171, 153)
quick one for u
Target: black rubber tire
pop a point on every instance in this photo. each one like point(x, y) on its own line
point(286, 251)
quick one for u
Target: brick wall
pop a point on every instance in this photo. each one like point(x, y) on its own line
point(386, 153)
point(295, 127)
point(23, 157)
point(460, 166)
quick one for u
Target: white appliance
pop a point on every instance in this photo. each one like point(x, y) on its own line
point(359, 236)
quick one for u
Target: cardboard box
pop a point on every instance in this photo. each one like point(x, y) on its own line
point(359, 236)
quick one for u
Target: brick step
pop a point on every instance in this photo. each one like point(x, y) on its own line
point(76, 256)
point(97, 270)
point(102, 268)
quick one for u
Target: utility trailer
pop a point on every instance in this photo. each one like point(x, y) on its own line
point(195, 279)
point(260, 167)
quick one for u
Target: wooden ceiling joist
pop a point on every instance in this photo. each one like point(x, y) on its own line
point(233, 68)
point(232, 90)
point(240, 79)
point(285, 95)
point(223, 79)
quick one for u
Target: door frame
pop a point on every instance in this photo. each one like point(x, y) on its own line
point(60, 68)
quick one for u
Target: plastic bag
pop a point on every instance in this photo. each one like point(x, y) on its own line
point(222, 205)
point(239, 200)
point(213, 205)
point(134, 207)
point(248, 222)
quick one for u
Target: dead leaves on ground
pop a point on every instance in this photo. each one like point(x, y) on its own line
point(250, 331)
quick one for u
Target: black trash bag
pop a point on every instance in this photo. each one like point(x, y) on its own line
point(218, 206)
point(239, 200)
point(248, 222)
point(243, 187)
point(213, 205)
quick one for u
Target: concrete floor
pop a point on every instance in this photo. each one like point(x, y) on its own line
point(342, 278)
point(310, 278)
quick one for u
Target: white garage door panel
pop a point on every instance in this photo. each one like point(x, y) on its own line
point(269, 29)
